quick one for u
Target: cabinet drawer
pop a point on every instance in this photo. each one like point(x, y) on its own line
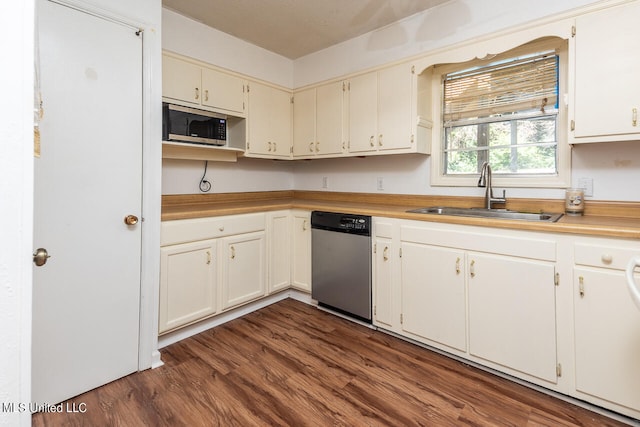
point(614, 257)
point(191, 230)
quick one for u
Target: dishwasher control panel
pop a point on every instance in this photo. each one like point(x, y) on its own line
point(346, 223)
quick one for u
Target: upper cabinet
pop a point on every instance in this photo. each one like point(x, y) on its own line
point(190, 83)
point(318, 121)
point(606, 96)
point(269, 122)
point(381, 111)
point(367, 114)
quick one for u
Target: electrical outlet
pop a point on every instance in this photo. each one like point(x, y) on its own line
point(325, 182)
point(587, 186)
point(380, 183)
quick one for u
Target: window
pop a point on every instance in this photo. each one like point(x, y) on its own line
point(505, 111)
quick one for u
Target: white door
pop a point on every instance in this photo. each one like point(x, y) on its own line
point(86, 298)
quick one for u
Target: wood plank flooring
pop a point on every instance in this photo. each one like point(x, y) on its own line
point(291, 364)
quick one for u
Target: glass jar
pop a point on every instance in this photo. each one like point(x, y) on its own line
point(574, 201)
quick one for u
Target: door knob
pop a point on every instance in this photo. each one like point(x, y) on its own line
point(131, 220)
point(40, 257)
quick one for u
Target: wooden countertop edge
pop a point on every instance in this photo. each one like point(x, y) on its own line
point(623, 223)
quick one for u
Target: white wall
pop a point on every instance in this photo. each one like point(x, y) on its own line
point(16, 207)
point(446, 24)
point(611, 166)
point(194, 39)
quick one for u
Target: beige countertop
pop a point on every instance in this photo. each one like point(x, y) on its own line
point(607, 219)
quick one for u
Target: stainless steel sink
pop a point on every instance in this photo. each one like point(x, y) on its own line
point(488, 213)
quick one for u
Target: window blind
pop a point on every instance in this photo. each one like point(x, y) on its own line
point(518, 85)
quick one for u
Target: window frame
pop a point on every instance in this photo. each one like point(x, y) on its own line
point(560, 180)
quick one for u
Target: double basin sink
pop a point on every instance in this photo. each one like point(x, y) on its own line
point(488, 213)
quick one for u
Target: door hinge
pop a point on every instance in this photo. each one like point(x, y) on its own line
point(556, 279)
point(413, 69)
point(400, 252)
point(292, 99)
point(559, 370)
point(401, 319)
point(247, 88)
point(344, 87)
point(581, 286)
point(375, 310)
point(573, 125)
point(375, 248)
point(573, 31)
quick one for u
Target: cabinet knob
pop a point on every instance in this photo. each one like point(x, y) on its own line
point(607, 258)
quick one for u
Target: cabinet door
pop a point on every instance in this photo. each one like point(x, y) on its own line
point(363, 113)
point(301, 248)
point(269, 121)
point(607, 88)
point(329, 118)
point(607, 337)
point(187, 283)
point(433, 294)
point(222, 91)
point(243, 263)
point(383, 290)
point(304, 123)
point(394, 107)
point(512, 313)
point(279, 255)
point(181, 80)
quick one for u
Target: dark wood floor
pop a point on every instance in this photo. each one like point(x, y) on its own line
point(291, 364)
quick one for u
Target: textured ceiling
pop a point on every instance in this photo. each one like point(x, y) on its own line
point(294, 28)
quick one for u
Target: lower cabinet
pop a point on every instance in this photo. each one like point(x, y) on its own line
point(209, 265)
point(512, 313)
point(607, 326)
point(279, 253)
point(187, 283)
point(433, 294)
point(301, 250)
point(243, 263)
point(212, 265)
point(551, 309)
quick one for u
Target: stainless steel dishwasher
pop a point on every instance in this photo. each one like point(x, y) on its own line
point(341, 263)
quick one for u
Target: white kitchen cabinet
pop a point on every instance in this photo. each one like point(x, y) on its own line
point(606, 325)
point(181, 80)
point(301, 250)
point(386, 258)
point(269, 122)
point(187, 283)
point(605, 80)
point(433, 294)
point(512, 313)
point(279, 230)
point(381, 111)
point(483, 294)
point(209, 265)
point(318, 121)
point(363, 113)
point(243, 263)
point(192, 83)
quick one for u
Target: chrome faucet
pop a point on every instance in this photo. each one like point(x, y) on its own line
point(485, 181)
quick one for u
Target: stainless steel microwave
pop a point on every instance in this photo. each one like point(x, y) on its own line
point(186, 124)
